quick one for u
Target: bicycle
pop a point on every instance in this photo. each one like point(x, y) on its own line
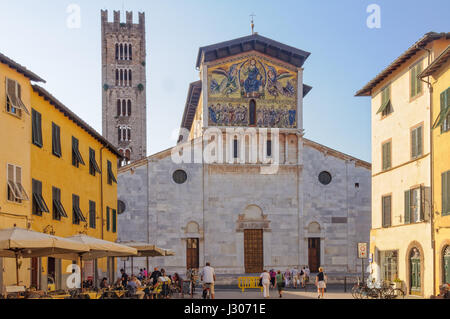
point(206, 294)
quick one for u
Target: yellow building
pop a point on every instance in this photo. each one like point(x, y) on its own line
point(15, 133)
point(437, 74)
point(401, 234)
point(74, 187)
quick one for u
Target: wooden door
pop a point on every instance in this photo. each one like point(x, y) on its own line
point(35, 272)
point(415, 275)
point(192, 253)
point(446, 264)
point(314, 254)
point(253, 250)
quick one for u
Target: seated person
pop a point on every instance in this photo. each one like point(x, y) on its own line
point(104, 283)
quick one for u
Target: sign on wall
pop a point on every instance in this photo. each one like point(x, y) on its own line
point(362, 250)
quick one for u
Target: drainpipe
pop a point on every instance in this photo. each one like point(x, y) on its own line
point(433, 244)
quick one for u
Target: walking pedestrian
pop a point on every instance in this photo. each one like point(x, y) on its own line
point(273, 274)
point(321, 283)
point(280, 283)
point(265, 281)
point(302, 276)
point(294, 276)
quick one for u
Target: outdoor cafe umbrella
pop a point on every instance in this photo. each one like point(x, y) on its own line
point(18, 242)
point(99, 248)
point(168, 252)
point(144, 250)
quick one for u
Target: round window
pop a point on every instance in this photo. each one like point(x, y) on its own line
point(120, 207)
point(179, 176)
point(325, 178)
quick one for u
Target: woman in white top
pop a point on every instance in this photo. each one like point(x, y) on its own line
point(265, 280)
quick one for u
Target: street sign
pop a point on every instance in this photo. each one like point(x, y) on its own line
point(362, 250)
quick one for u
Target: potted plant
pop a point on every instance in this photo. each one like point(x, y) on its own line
point(398, 283)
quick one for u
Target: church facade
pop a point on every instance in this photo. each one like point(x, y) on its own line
point(243, 188)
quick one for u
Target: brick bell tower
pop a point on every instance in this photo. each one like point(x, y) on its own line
point(124, 84)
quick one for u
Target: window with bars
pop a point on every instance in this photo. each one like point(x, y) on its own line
point(92, 214)
point(386, 149)
point(389, 264)
point(58, 208)
point(36, 128)
point(386, 202)
point(15, 190)
point(93, 166)
point(417, 142)
point(415, 82)
point(56, 140)
point(39, 204)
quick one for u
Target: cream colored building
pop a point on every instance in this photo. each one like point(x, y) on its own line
point(400, 240)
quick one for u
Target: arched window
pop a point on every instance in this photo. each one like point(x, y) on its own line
point(129, 77)
point(121, 77)
point(252, 112)
point(124, 108)
point(125, 77)
point(128, 134)
point(121, 51)
point(119, 134)
point(125, 53)
point(118, 107)
point(129, 107)
point(235, 148)
point(446, 265)
point(117, 51)
point(129, 52)
point(117, 77)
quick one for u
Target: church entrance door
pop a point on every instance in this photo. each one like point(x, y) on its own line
point(192, 253)
point(253, 250)
point(314, 254)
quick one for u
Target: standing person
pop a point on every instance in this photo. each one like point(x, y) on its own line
point(321, 280)
point(294, 275)
point(273, 274)
point(302, 276)
point(265, 281)
point(307, 272)
point(124, 277)
point(155, 275)
point(141, 274)
point(208, 276)
point(145, 273)
point(287, 277)
point(280, 283)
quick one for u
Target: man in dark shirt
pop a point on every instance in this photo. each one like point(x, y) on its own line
point(155, 275)
point(124, 277)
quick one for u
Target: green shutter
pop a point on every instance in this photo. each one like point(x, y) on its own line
point(445, 177)
point(414, 143)
point(114, 220)
point(418, 81)
point(413, 85)
point(388, 155)
point(419, 141)
point(407, 207)
point(107, 218)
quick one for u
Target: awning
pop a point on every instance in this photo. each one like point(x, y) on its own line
point(145, 249)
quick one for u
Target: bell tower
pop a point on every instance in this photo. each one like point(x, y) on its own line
point(124, 111)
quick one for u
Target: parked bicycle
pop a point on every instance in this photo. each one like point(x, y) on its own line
point(372, 291)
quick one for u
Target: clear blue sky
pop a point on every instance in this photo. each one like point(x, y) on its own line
point(345, 53)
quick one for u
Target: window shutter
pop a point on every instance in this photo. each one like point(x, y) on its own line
point(419, 141)
point(114, 220)
point(414, 143)
point(422, 203)
point(383, 155)
point(418, 82)
point(388, 155)
point(107, 218)
point(407, 207)
point(413, 85)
